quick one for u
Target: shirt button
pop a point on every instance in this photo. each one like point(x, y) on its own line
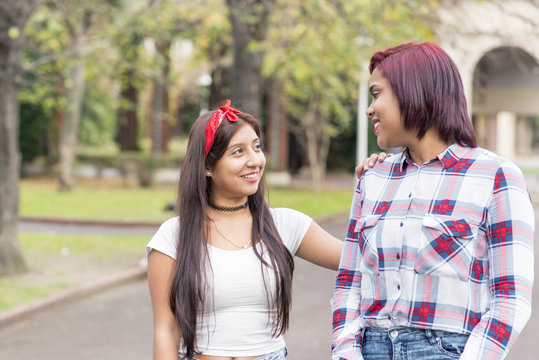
point(398, 287)
point(398, 256)
point(410, 195)
point(401, 224)
point(394, 334)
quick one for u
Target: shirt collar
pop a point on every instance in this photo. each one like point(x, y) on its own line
point(448, 157)
point(405, 159)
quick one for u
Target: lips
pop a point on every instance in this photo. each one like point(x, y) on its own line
point(376, 124)
point(252, 177)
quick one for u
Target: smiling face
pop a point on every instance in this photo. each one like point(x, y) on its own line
point(385, 114)
point(237, 173)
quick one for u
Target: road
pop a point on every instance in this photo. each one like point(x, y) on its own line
point(117, 324)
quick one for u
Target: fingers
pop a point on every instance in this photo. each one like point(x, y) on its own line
point(370, 162)
point(359, 170)
point(365, 165)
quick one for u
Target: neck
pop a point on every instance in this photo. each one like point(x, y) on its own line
point(427, 148)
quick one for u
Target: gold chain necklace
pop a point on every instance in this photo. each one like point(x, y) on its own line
point(244, 246)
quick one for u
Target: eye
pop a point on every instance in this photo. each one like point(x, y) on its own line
point(258, 147)
point(374, 94)
point(237, 151)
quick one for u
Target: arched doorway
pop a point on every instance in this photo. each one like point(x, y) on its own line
point(505, 103)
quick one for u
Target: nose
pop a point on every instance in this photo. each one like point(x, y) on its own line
point(370, 111)
point(255, 159)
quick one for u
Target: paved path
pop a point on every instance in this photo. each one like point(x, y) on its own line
point(117, 324)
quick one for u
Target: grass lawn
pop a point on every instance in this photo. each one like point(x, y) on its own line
point(58, 262)
point(94, 201)
point(100, 202)
point(315, 205)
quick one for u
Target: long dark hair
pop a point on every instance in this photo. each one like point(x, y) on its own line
point(189, 284)
point(429, 90)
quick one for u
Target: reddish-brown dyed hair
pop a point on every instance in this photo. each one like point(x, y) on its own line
point(429, 90)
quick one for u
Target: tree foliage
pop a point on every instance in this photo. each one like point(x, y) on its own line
point(314, 48)
point(63, 52)
point(317, 48)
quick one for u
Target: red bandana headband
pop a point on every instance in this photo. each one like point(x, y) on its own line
point(216, 120)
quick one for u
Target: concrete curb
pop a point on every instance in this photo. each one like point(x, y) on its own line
point(115, 223)
point(10, 317)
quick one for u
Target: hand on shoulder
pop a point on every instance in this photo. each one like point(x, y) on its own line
point(370, 162)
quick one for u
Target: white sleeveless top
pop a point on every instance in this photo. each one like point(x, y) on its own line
point(235, 321)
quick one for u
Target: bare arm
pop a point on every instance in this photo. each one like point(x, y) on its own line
point(166, 332)
point(320, 247)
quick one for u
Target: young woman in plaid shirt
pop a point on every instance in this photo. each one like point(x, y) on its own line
point(438, 259)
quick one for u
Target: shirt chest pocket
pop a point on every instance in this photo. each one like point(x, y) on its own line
point(446, 247)
point(368, 229)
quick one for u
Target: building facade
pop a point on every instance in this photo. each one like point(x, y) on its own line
point(495, 45)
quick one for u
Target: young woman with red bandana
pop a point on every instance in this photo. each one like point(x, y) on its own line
point(220, 274)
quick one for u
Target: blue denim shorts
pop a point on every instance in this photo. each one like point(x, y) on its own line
point(275, 355)
point(409, 343)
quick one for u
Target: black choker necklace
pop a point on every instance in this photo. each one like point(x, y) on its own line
point(226, 208)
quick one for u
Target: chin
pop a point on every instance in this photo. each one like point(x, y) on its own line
point(252, 190)
point(383, 146)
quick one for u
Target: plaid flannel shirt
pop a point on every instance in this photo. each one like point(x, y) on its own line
point(447, 245)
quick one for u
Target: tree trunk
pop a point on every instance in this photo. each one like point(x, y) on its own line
point(218, 83)
point(314, 163)
point(13, 18)
point(53, 133)
point(70, 127)
point(127, 130)
point(249, 24)
point(159, 119)
point(317, 141)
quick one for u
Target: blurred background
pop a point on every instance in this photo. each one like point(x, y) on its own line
point(97, 99)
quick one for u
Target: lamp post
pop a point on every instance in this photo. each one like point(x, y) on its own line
point(362, 123)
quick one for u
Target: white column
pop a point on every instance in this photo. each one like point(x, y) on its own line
point(505, 134)
point(524, 134)
point(481, 130)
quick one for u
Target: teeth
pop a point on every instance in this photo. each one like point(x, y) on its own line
point(250, 176)
point(376, 126)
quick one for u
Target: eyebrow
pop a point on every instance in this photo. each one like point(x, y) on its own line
point(239, 144)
